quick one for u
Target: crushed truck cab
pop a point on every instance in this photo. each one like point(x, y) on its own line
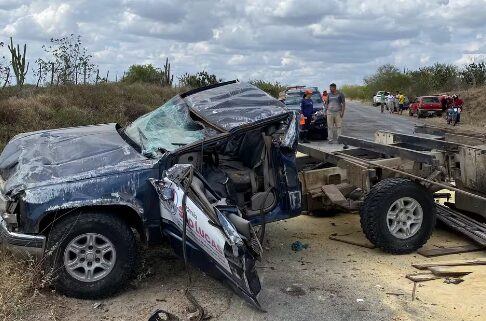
point(77, 195)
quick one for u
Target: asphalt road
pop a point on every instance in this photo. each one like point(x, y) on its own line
point(362, 121)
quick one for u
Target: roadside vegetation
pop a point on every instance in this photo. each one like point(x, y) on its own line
point(435, 79)
point(469, 82)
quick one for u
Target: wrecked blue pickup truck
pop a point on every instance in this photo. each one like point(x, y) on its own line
point(199, 171)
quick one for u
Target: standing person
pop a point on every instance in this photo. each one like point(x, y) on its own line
point(397, 95)
point(459, 103)
point(324, 97)
point(443, 103)
point(335, 108)
point(401, 102)
point(390, 102)
point(383, 101)
point(306, 109)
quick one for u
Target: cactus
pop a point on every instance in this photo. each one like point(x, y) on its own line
point(166, 78)
point(18, 62)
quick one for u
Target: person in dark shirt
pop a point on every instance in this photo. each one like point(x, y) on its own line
point(459, 103)
point(443, 102)
point(306, 110)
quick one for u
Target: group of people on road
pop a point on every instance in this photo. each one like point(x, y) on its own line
point(393, 103)
point(334, 105)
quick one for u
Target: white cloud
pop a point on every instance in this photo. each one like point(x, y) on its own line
point(291, 41)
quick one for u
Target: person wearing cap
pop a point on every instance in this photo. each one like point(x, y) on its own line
point(324, 97)
point(306, 110)
point(335, 107)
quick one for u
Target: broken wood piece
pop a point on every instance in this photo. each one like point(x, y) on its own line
point(422, 277)
point(425, 266)
point(413, 291)
point(334, 194)
point(448, 271)
point(450, 250)
point(342, 238)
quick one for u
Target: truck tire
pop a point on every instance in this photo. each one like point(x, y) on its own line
point(92, 255)
point(410, 112)
point(419, 114)
point(398, 215)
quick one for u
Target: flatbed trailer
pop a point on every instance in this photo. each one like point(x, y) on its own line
point(393, 182)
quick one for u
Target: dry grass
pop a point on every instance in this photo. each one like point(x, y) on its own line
point(33, 109)
point(17, 280)
point(474, 106)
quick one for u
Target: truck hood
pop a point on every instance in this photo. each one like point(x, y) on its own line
point(60, 155)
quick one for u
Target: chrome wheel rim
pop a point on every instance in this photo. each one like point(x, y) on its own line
point(89, 257)
point(404, 218)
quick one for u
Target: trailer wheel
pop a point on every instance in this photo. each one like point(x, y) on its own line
point(398, 215)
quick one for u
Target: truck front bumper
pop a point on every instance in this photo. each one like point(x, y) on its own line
point(21, 244)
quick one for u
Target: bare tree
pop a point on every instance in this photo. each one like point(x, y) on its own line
point(4, 69)
point(68, 62)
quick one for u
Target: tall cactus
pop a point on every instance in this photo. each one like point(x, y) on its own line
point(166, 78)
point(18, 62)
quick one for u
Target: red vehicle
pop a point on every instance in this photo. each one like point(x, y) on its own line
point(425, 106)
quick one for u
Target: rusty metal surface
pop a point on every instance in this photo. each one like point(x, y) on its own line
point(463, 224)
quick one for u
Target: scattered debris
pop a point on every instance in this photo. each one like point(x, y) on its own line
point(299, 246)
point(450, 250)
point(453, 280)
point(448, 271)
point(422, 277)
point(161, 315)
point(360, 300)
point(414, 290)
point(463, 224)
point(294, 290)
point(98, 305)
point(352, 241)
point(393, 293)
point(425, 266)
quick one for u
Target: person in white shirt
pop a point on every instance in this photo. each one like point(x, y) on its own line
point(390, 102)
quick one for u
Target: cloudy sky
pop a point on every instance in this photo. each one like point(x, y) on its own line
point(311, 42)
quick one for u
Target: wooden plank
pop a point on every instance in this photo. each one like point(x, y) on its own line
point(449, 271)
point(425, 266)
point(334, 194)
point(422, 277)
point(352, 241)
point(450, 250)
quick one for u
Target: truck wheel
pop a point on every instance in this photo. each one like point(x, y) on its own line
point(92, 255)
point(398, 215)
point(410, 113)
point(419, 113)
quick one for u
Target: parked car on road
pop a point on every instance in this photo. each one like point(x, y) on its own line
point(425, 106)
point(222, 157)
point(318, 127)
point(378, 96)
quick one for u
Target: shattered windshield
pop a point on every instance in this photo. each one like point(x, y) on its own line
point(166, 128)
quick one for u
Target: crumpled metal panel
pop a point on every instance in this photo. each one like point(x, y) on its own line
point(55, 156)
point(234, 105)
point(291, 137)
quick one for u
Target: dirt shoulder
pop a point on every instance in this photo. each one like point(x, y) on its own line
point(341, 281)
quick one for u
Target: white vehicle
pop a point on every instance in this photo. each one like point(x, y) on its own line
point(378, 96)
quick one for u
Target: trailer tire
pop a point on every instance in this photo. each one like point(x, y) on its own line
point(398, 215)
